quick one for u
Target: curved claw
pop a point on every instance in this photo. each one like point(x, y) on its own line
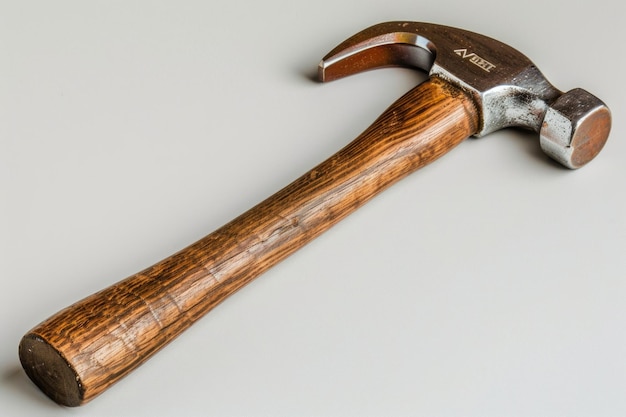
point(384, 45)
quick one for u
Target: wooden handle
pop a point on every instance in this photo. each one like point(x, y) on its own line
point(76, 354)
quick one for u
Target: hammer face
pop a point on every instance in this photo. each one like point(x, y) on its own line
point(575, 128)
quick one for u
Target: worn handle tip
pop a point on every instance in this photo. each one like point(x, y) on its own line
point(49, 370)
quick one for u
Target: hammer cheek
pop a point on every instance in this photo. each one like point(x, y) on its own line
point(556, 132)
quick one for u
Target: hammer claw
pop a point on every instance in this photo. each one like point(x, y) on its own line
point(384, 45)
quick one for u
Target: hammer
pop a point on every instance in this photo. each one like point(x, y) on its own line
point(477, 85)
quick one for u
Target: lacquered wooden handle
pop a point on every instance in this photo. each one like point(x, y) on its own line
point(82, 350)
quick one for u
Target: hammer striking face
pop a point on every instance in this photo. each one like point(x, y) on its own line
point(477, 85)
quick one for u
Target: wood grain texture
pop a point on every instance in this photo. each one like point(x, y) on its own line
point(82, 350)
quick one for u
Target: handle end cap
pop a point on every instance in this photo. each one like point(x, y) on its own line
point(49, 370)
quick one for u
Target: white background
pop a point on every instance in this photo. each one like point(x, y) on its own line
point(491, 283)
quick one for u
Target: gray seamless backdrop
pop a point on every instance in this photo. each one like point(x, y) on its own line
point(491, 283)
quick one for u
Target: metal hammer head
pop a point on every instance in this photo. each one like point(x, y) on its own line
point(507, 87)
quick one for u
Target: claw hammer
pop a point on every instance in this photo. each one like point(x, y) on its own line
point(476, 85)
